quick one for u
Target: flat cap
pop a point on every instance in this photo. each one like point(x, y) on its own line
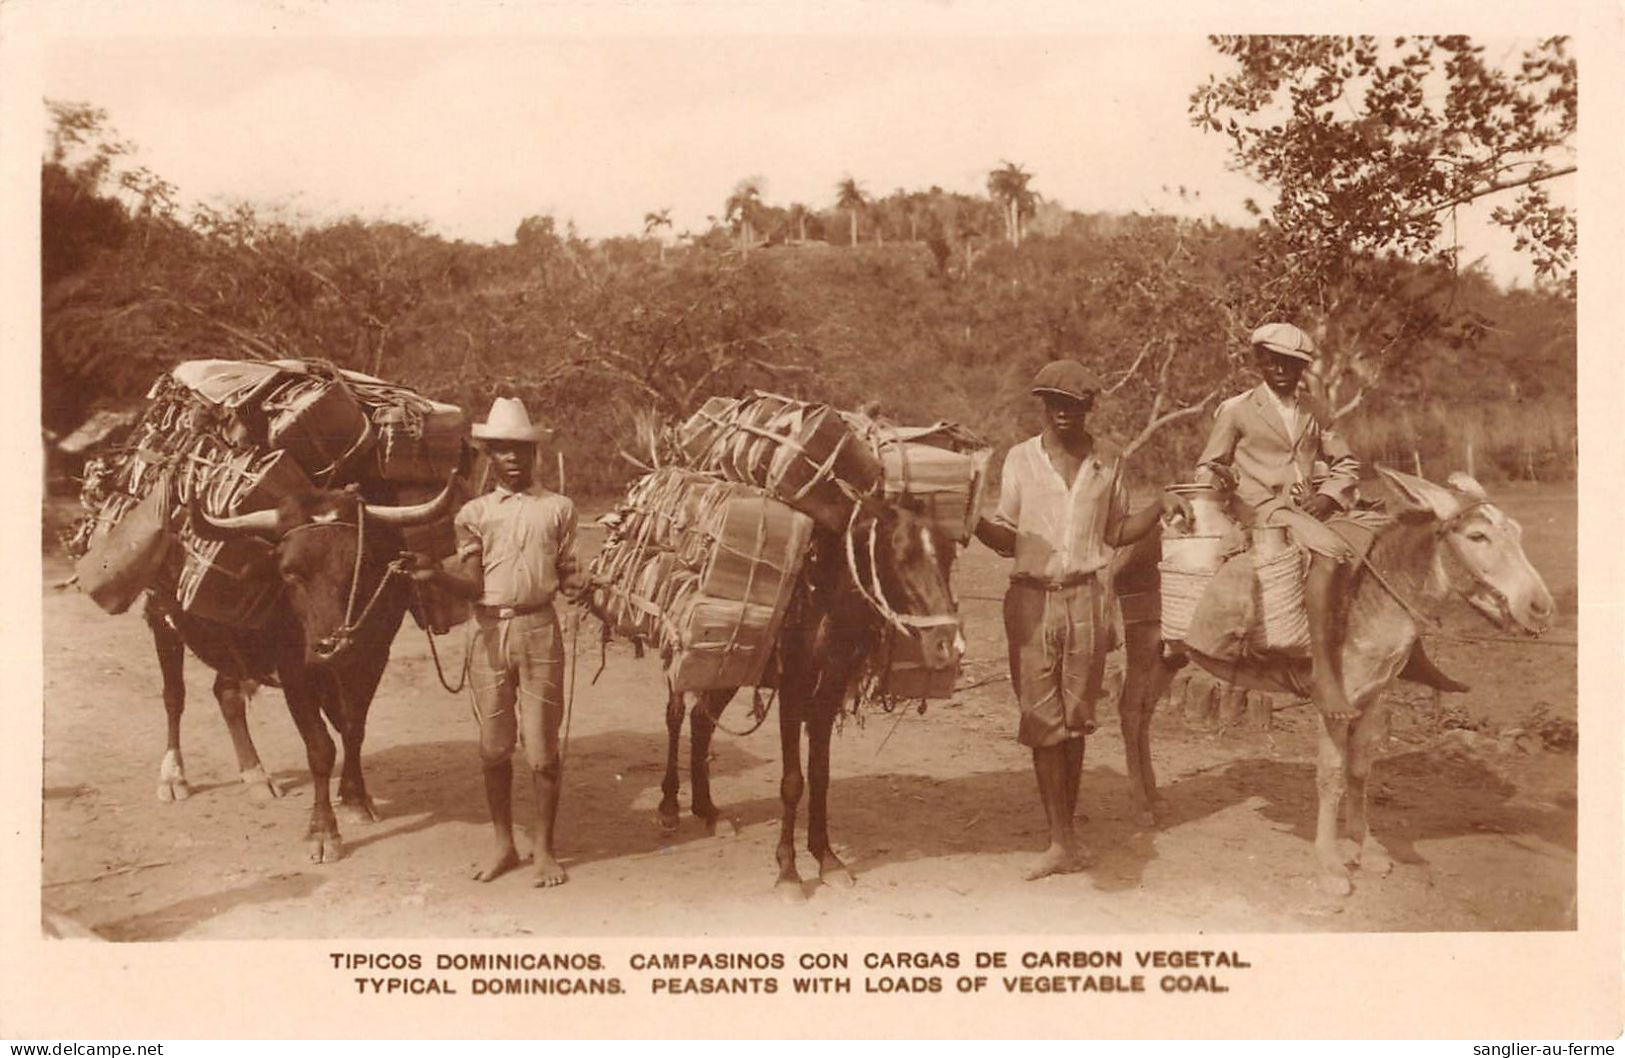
point(1285, 339)
point(1067, 378)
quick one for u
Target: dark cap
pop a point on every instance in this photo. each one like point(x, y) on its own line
point(1067, 378)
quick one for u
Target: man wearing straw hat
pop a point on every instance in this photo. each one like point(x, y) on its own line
point(1267, 445)
point(515, 552)
point(1063, 507)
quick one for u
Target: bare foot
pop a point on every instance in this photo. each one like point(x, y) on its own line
point(548, 872)
point(1335, 883)
point(1334, 708)
point(506, 860)
point(1334, 877)
point(1374, 860)
point(1057, 859)
point(1082, 855)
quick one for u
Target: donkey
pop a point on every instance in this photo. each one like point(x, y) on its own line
point(889, 568)
point(1444, 542)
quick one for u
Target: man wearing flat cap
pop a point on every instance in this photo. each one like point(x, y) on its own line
point(515, 553)
point(1265, 445)
point(1063, 507)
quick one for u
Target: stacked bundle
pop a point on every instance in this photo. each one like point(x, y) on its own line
point(705, 569)
point(817, 459)
point(804, 454)
point(240, 435)
point(702, 559)
point(942, 468)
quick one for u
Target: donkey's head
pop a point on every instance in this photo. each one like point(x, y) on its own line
point(317, 535)
point(1482, 554)
point(902, 565)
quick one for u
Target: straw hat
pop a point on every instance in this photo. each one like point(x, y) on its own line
point(509, 421)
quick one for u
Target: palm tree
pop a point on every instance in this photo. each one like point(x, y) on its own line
point(798, 216)
point(741, 208)
point(652, 222)
point(1008, 186)
point(850, 197)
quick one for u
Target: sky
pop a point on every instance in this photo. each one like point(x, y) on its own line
point(472, 135)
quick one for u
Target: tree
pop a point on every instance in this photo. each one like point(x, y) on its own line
point(850, 197)
point(798, 216)
point(741, 208)
point(1372, 144)
point(653, 222)
point(1008, 186)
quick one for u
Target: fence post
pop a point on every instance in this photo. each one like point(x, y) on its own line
point(1472, 471)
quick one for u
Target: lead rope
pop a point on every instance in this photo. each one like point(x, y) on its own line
point(468, 654)
point(570, 695)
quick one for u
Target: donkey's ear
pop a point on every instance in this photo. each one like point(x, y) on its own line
point(1466, 483)
point(1423, 495)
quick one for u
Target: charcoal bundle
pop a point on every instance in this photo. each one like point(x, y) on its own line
point(704, 569)
point(239, 436)
point(702, 557)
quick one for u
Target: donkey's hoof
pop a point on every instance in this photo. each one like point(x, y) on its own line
point(324, 848)
point(174, 790)
point(834, 873)
point(259, 785)
point(359, 810)
point(789, 890)
point(667, 820)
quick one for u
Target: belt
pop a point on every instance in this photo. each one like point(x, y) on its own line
point(502, 613)
point(1071, 580)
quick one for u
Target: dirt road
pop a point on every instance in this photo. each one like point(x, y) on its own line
point(936, 814)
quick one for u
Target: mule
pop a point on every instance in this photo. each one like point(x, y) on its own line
point(889, 569)
point(1444, 543)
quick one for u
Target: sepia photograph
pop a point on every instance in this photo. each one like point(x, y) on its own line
point(658, 499)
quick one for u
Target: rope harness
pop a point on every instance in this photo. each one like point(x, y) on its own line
point(1431, 624)
point(342, 638)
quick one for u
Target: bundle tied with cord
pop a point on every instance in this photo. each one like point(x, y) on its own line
point(239, 436)
point(785, 456)
point(704, 569)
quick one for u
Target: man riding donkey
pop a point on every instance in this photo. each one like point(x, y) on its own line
point(1264, 448)
point(1063, 508)
point(515, 552)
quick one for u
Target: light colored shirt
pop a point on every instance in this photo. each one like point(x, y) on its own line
point(1288, 410)
point(1060, 529)
point(526, 543)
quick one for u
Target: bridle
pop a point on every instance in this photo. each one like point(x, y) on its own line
point(341, 639)
point(1441, 532)
point(908, 624)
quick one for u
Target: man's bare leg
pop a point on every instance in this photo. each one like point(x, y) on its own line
point(1049, 764)
point(1320, 597)
point(499, 796)
point(1082, 856)
point(547, 778)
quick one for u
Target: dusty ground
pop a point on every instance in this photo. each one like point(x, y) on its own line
point(936, 814)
